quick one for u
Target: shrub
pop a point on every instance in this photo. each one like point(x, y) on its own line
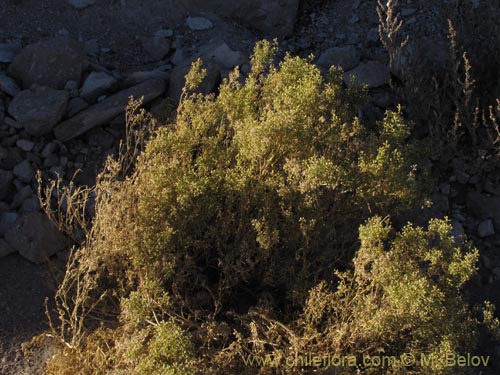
point(403, 299)
point(250, 198)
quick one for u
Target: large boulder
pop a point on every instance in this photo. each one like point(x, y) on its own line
point(50, 63)
point(39, 109)
point(35, 237)
point(275, 17)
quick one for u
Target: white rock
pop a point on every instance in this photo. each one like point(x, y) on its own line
point(199, 23)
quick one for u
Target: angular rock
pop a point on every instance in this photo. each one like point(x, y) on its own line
point(35, 237)
point(199, 23)
point(8, 85)
point(8, 51)
point(275, 17)
point(39, 109)
point(5, 248)
point(24, 171)
point(372, 73)
point(104, 111)
point(50, 63)
point(6, 185)
point(95, 85)
point(346, 58)
point(485, 229)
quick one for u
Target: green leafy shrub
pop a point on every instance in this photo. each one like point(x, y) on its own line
point(249, 199)
point(403, 299)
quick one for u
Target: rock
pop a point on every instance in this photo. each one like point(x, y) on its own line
point(484, 207)
point(12, 158)
point(31, 204)
point(96, 84)
point(81, 4)
point(5, 248)
point(346, 58)
point(458, 231)
point(485, 229)
point(372, 73)
point(199, 23)
point(36, 237)
point(24, 193)
point(8, 51)
point(156, 47)
point(103, 112)
point(6, 185)
point(39, 109)
point(274, 17)
point(76, 105)
point(24, 171)
point(164, 33)
point(25, 145)
point(135, 78)
point(50, 63)
point(223, 55)
point(373, 36)
point(8, 85)
point(7, 221)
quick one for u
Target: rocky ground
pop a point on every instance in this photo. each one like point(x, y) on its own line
point(68, 67)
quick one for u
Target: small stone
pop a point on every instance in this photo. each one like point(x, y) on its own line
point(7, 220)
point(81, 4)
point(199, 23)
point(373, 35)
point(24, 171)
point(485, 229)
point(156, 47)
point(445, 188)
point(31, 204)
point(223, 55)
point(344, 57)
point(372, 73)
point(6, 186)
point(8, 85)
point(23, 194)
point(25, 145)
point(164, 33)
point(8, 51)
point(96, 84)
